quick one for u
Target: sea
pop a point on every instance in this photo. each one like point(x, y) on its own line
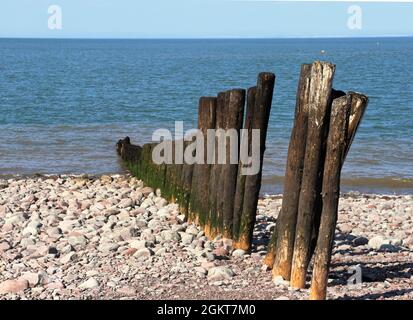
point(64, 103)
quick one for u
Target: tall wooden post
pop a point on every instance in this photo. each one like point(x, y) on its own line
point(322, 74)
point(336, 151)
point(240, 189)
point(319, 201)
point(263, 101)
point(234, 121)
point(215, 216)
point(199, 202)
point(211, 223)
point(282, 243)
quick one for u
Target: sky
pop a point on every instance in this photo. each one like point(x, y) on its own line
point(202, 19)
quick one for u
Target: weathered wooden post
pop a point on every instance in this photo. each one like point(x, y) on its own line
point(322, 74)
point(234, 122)
point(280, 253)
point(199, 200)
point(240, 188)
point(261, 114)
point(336, 150)
point(359, 104)
point(214, 222)
point(318, 207)
point(346, 116)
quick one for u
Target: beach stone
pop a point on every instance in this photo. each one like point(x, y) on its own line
point(377, 242)
point(360, 241)
point(124, 215)
point(26, 242)
point(136, 196)
point(4, 246)
point(192, 230)
point(129, 252)
point(138, 244)
point(163, 213)
point(91, 283)
point(52, 250)
point(178, 228)
point(57, 285)
point(168, 235)
point(238, 253)
point(200, 270)
point(141, 224)
point(127, 291)
point(186, 238)
point(106, 179)
point(125, 203)
point(108, 247)
point(161, 203)
point(137, 212)
point(346, 228)
point(207, 264)
point(32, 278)
point(146, 191)
point(227, 244)
point(13, 286)
point(160, 252)
point(77, 239)
point(180, 218)
point(16, 219)
point(146, 203)
point(129, 232)
point(279, 281)
point(153, 224)
point(54, 232)
point(143, 253)
point(209, 256)
point(30, 231)
point(7, 227)
point(220, 273)
point(68, 225)
point(221, 251)
point(70, 257)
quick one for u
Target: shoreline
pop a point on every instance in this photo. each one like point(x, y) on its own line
point(270, 185)
point(113, 238)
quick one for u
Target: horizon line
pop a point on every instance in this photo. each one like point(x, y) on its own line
point(207, 38)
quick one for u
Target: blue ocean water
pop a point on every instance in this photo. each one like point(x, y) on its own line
point(64, 103)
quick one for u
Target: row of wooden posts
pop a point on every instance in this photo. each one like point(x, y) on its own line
point(215, 196)
point(325, 124)
point(220, 199)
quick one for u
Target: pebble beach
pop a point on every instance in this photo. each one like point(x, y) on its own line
point(111, 237)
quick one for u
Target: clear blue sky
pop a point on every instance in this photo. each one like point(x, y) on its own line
point(200, 19)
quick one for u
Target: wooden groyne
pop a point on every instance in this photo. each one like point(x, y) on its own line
point(215, 193)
